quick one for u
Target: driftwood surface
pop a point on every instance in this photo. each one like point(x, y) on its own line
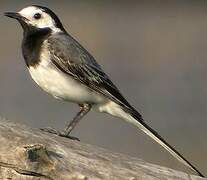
point(27, 153)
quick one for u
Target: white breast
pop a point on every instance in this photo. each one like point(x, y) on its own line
point(61, 85)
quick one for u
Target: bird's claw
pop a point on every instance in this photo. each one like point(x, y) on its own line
point(62, 134)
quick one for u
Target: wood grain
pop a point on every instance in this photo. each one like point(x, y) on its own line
point(27, 153)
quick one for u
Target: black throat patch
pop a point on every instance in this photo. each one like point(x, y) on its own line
point(31, 44)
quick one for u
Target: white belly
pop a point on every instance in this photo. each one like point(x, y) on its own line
point(62, 86)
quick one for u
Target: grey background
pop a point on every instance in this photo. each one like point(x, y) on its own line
point(154, 51)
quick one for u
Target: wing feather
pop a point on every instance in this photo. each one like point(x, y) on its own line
point(69, 56)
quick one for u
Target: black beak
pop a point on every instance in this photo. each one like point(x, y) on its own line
point(15, 16)
point(12, 15)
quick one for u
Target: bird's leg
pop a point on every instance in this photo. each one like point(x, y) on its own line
point(84, 109)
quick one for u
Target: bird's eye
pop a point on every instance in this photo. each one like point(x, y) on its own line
point(37, 16)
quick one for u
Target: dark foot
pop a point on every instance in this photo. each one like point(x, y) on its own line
point(62, 134)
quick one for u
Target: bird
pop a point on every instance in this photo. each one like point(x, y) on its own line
point(62, 67)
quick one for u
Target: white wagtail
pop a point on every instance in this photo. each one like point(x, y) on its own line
point(63, 68)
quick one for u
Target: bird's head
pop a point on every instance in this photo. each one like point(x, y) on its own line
point(37, 17)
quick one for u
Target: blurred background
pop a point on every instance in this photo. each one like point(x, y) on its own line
point(154, 51)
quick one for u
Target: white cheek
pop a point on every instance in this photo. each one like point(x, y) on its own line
point(44, 22)
point(47, 23)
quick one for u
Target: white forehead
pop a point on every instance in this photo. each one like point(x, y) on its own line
point(28, 11)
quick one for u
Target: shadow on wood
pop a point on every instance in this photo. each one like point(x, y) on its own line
point(27, 153)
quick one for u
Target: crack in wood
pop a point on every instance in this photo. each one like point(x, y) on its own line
point(23, 171)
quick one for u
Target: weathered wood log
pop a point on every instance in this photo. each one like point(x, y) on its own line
point(27, 153)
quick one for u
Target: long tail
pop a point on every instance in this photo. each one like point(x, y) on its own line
point(133, 117)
